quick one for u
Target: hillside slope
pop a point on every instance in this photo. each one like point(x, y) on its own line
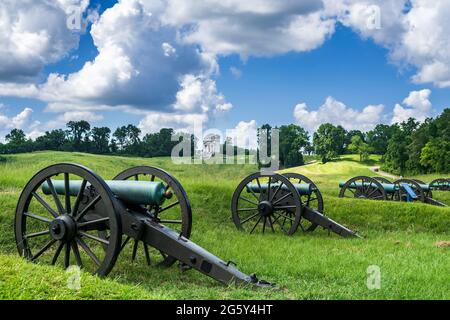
point(399, 238)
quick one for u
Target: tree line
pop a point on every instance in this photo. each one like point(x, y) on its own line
point(407, 147)
point(80, 137)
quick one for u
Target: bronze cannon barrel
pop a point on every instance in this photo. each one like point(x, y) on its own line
point(302, 188)
point(388, 187)
point(134, 192)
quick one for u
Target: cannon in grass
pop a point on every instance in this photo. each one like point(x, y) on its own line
point(68, 214)
point(281, 203)
point(379, 188)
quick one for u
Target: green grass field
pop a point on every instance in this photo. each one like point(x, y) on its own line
point(400, 238)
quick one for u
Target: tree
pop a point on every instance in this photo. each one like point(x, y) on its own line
point(350, 134)
point(128, 138)
point(435, 155)
point(328, 141)
point(340, 133)
point(293, 139)
point(358, 146)
point(379, 137)
point(52, 140)
point(78, 132)
point(100, 139)
point(16, 137)
point(121, 136)
point(396, 154)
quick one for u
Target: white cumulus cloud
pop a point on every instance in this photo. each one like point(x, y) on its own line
point(418, 107)
point(336, 112)
point(244, 135)
point(33, 34)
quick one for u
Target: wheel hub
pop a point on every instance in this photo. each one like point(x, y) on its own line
point(265, 208)
point(63, 228)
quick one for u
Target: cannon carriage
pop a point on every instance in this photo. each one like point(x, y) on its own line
point(67, 215)
point(281, 203)
point(405, 190)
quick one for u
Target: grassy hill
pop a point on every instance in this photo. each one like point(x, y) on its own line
point(400, 238)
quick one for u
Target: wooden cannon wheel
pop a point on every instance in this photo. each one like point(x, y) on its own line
point(440, 184)
point(400, 194)
point(276, 208)
point(382, 180)
point(176, 212)
point(313, 200)
point(47, 228)
point(367, 188)
point(429, 193)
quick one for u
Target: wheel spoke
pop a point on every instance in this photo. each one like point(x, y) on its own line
point(169, 207)
point(246, 209)
point(249, 218)
point(76, 253)
point(90, 236)
point(271, 224)
point(254, 227)
point(135, 247)
point(45, 248)
point(90, 222)
point(58, 251)
point(285, 207)
point(79, 197)
point(125, 242)
point(147, 254)
point(276, 191)
point(264, 224)
point(88, 251)
point(35, 216)
point(66, 256)
point(45, 204)
point(283, 198)
point(248, 200)
point(285, 217)
point(88, 207)
point(36, 234)
point(281, 226)
point(55, 197)
point(67, 192)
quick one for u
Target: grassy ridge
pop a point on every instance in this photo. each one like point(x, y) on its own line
point(399, 238)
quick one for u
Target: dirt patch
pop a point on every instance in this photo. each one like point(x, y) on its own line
point(442, 244)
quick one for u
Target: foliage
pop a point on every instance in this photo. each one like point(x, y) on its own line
point(304, 266)
point(328, 142)
point(357, 145)
point(293, 139)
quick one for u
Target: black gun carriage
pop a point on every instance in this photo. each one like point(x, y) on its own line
point(281, 203)
point(67, 214)
point(406, 190)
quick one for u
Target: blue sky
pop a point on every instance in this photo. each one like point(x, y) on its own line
point(332, 70)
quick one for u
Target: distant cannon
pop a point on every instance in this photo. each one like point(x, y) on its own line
point(281, 203)
point(379, 188)
point(68, 211)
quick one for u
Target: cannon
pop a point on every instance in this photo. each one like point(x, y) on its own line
point(379, 188)
point(281, 203)
point(67, 214)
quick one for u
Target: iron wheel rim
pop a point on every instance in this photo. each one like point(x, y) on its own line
point(172, 184)
point(272, 221)
point(79, 243)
